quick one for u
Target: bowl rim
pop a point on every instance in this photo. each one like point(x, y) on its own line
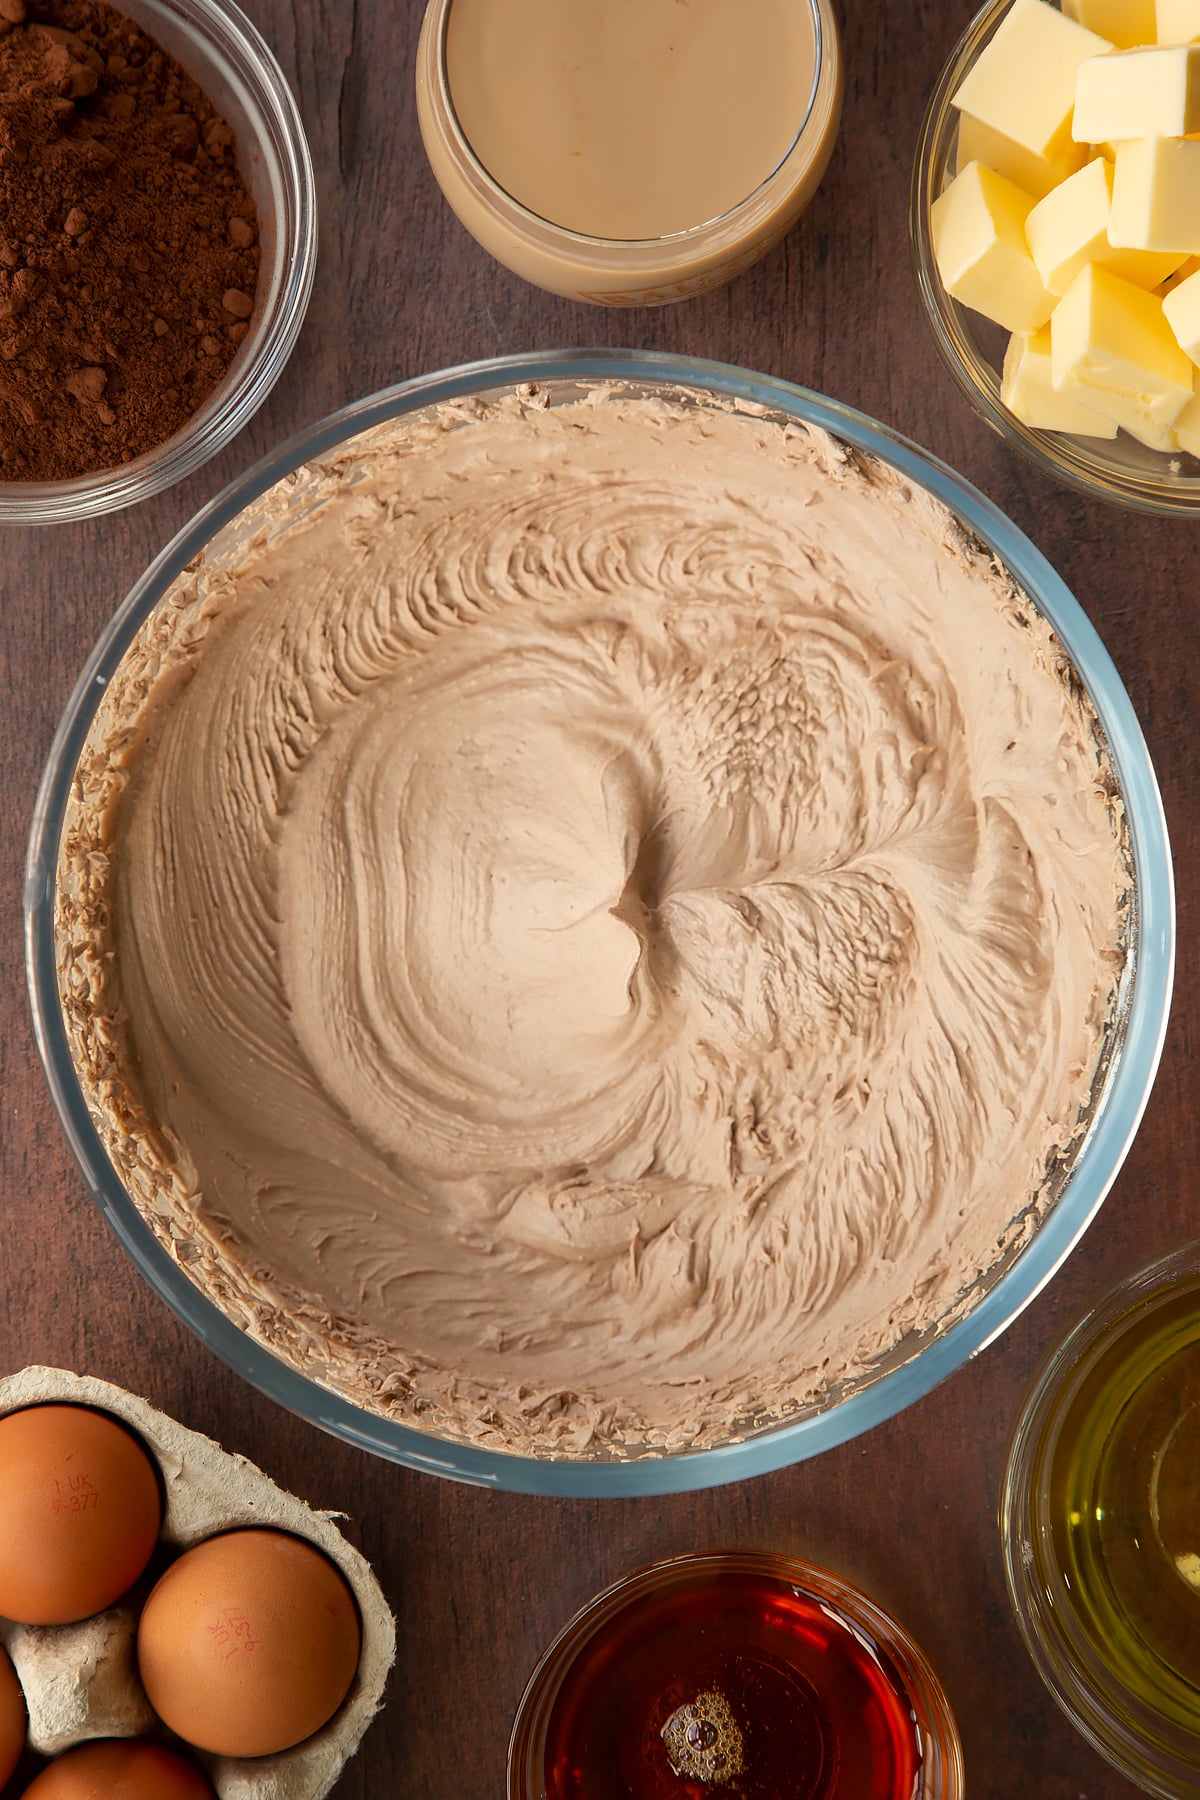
point(1124, 1730)
point(942, 1776)
point(1117, 1117)
point(1067, 459)
point(235, 42)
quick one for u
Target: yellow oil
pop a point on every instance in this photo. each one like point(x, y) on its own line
point(1125, 1505)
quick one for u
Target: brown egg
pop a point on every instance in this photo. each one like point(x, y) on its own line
point(79, 1513)
point(249, 1643)
point(12, 1718)
point(120, 1769)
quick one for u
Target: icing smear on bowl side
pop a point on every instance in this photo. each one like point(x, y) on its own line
point(585, 924)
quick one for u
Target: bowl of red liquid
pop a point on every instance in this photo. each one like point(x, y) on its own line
point(733, 1676)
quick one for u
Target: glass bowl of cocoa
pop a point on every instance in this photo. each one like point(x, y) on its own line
point(158, 240)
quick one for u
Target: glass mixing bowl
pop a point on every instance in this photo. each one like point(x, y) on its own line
point(915, 1365)
point(228, 58)
point(1121, 470)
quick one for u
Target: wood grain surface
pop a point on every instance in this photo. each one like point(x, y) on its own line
point(480, 1581)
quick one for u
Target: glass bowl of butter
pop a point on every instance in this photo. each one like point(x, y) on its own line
point(1055, 224)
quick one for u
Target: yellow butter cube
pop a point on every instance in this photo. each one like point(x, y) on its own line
point(1156, 195)
point(1186, 434)
point(1070, 228)
point(1177, 21)
point(978, 228)
point(1123, 22)
point(1181, 308)
point(1137, 94)
point(978, 142)
point(1112, 350)
point(1023, 81)
point(1028, 391)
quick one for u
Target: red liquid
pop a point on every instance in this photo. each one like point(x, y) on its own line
point(818, 1713)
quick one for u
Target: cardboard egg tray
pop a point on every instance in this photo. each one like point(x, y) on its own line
point(80, 1681)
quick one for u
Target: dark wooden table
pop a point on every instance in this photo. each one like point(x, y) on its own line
point(480, 1581)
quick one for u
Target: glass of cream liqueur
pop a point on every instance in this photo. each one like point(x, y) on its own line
point(737, 1676)
point(1100, 1516)
point(628, 152)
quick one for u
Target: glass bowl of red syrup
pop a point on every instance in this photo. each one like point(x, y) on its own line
point(733, 1676)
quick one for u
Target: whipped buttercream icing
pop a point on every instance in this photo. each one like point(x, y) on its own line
point(583, 925)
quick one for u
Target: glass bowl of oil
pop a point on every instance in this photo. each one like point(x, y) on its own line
point(1100, 1522)
point(738, 1675)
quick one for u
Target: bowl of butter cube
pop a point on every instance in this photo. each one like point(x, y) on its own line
point(1056, 235)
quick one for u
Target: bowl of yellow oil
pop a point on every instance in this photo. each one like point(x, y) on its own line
point(1100, 1523)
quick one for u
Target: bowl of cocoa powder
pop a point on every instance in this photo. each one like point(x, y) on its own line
point(157, 245)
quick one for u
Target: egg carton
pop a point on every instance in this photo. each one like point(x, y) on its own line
point(80, 1681)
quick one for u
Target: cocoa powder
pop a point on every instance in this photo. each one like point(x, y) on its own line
point(128, 242)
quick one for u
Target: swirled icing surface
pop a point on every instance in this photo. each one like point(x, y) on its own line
point(616, 909)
